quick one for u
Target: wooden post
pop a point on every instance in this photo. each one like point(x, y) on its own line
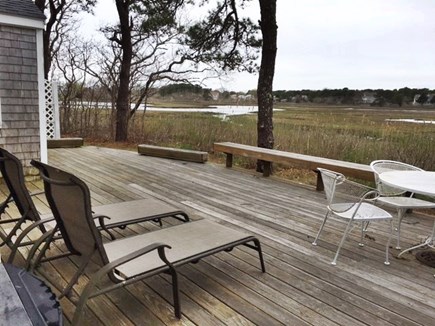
point(229, 160)
point(319, 185)
point(267, 169)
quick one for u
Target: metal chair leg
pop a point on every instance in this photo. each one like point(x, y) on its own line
point(321, 228)
point(400, 214)
point(175, 292)
point(260, 254)
point(334, 262)
point(66, 291)
point(363, 231)
point(429, 242)
point(387, 261)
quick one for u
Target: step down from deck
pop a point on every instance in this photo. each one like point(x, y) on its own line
point(64, 142)
point(173, 153)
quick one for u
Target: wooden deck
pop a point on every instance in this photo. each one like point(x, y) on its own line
point(300, 287)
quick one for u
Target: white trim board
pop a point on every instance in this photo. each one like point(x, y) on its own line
point(41, 91)
point(21, 21)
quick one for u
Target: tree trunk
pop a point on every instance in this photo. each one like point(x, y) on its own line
point(123, 99)
point(265, 80)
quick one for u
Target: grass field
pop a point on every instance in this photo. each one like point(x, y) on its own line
point(359, 134)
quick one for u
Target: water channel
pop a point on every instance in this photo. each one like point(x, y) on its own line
point(224, 110)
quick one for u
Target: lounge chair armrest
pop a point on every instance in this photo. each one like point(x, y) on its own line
point(24, 233)
point(5, 203)
point(10, 199)
point(160, 247)
point(101, 219)
point(87, 292)
point(33, 226)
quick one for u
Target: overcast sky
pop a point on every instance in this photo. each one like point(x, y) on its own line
point(342, 43)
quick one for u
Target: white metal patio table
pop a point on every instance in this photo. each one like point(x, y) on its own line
point(420, 182)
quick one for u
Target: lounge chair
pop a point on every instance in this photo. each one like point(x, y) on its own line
point(352, 202)
point(107, 216)
point(160, 251)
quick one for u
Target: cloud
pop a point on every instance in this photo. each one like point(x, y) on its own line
point(356, 44)
point(341, 43)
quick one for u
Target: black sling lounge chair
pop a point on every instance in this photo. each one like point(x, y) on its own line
point(160, 251)
point(106, 216)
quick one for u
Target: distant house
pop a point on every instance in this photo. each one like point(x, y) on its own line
point(429, 99)
point(215, 95)
point(22, 121)
point(300, 98)
point(368, 97)
point(246, 97)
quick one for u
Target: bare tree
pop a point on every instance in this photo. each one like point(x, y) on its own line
point(59, 14)
point(215, 42)
point(149, 30)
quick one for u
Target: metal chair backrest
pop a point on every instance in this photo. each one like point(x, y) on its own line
point(380, 166)
point(70, 202)
point(330, 180)
point(343, 194)
point(13, 175)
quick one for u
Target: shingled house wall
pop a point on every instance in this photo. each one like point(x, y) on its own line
point(19, 91)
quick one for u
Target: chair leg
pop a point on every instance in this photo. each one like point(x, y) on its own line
point(387, 261)
point(84, 296)
point(429, 241)
point(321, 228)
point(260, 254)
point(363, 231)
point(175, 292)
point(400, 214)
point(74, 279)
point(334, 262)
point(366, 226)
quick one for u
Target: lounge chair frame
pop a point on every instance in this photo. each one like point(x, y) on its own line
point(87, 243)
point(13, 175)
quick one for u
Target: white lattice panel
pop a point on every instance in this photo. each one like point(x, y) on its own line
point(51, 110)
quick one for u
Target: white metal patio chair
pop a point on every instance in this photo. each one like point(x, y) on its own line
point(351, 201)
point(394, 197)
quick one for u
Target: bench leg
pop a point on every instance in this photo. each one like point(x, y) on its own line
point(319, 185)
point(229, 162)
point(267, 169)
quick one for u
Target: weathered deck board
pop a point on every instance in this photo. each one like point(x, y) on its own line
point(300, 286)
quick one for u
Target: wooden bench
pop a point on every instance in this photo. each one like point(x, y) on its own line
point(173, 153)
point(65, 142)
point(349, 169)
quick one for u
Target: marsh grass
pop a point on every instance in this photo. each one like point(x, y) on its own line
point(357, 135)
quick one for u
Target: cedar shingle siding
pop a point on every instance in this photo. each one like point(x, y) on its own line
point(19, 131)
